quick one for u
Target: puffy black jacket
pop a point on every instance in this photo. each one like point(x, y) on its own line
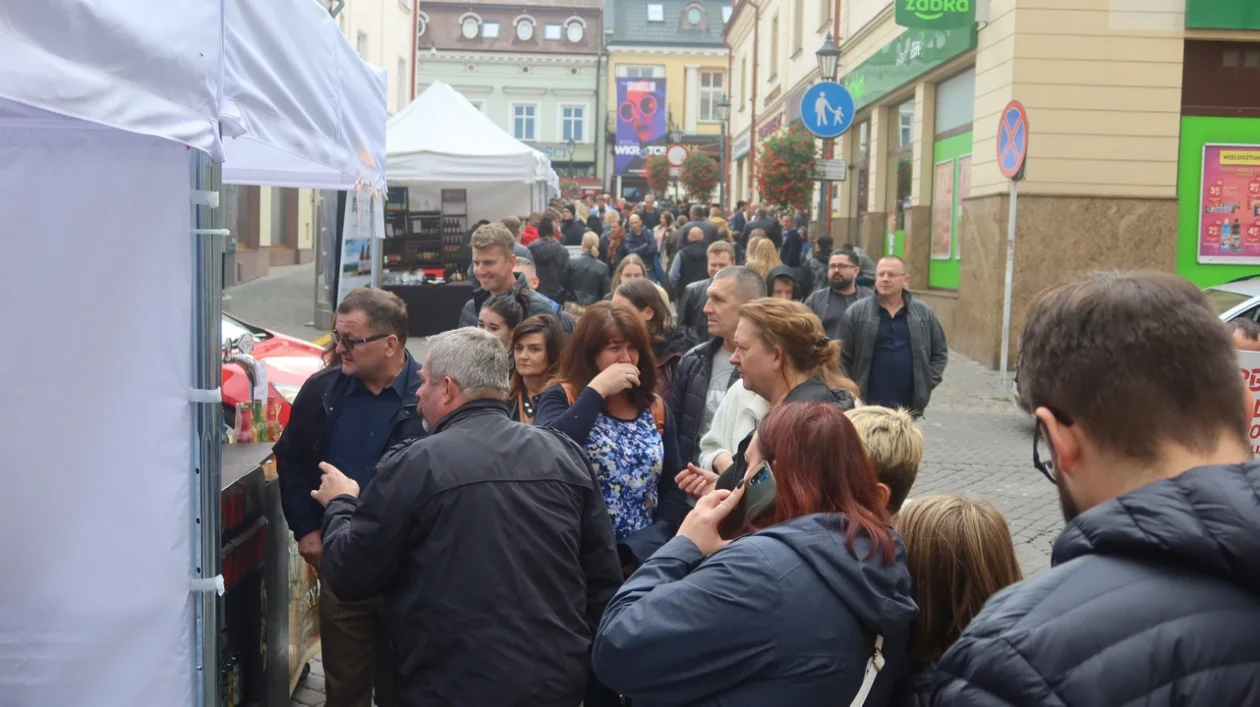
point(691, 309)
point(573, 231)
point(550, 260)
point(491, 544)
point(690, 394)
point(537, 305)
point(1153, 599)
point(304, 442)
point(693, 265)
point(586, 280)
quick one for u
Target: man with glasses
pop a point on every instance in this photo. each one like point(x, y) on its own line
point(348, 415)
point(832, 302)
point(1153, 597)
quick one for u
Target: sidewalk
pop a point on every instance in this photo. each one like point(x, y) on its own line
point(283, 301)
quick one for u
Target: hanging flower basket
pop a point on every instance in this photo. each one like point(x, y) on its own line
point(656, 171)
point(699, 175)
point(785, 170)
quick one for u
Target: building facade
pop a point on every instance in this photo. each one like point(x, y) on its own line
point(533, 68)
point(276, 226)
point(1144, 146)
point(667, 66)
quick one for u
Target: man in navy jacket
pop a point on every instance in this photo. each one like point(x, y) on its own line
point(1154, 595)
point(348, 415)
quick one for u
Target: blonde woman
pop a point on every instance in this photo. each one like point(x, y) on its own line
point(960, 553)
point(763, 257)
point(632, 267)
point(895, 446)
point(715, 216)
point(586, 277)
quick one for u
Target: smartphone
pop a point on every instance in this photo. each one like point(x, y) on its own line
point(758, 491)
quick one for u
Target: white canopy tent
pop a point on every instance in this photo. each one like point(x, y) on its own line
point(442, 140)
point(112, 453)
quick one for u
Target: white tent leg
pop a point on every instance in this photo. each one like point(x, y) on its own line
point(206, 474)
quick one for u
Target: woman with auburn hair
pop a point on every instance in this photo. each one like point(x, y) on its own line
point(960, 553)
point(612, 238)
point(790, 590)
point(784, 356)
point(536, 346)
point(604, 401)
point(763, 257)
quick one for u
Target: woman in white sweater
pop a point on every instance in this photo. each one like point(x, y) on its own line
point(734, 420)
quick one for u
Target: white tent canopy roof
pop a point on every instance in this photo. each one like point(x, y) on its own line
point(441, 137)
point(300, 107)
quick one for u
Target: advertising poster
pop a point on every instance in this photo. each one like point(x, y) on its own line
point(943, 211)
point(355, 262)
point(964, 191)
point(1229, 208)
point(1250, 363)
point(640, 123)
point(303, 614)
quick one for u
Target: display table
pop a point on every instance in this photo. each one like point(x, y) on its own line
point(271, 602)
point(432, 309)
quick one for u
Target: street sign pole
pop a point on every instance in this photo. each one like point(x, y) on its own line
point(827, 111)
point(1012, 149)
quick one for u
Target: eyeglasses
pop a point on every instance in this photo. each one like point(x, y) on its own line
point(1046, 466)
point(340, 340)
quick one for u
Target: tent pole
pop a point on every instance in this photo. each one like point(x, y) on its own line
point(207, 322)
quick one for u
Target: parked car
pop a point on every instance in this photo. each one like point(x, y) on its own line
point(1237, 299)
point(289, 363)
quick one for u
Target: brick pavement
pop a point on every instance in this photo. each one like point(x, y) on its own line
point(977, 444)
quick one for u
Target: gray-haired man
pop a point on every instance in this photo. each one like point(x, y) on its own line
point(489, 539)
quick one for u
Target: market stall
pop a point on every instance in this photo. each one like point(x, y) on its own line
point(449, 167)
point(114, 595)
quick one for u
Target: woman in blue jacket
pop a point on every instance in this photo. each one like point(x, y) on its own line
point(810, 604)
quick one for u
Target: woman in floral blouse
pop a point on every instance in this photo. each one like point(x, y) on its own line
point(604, 402)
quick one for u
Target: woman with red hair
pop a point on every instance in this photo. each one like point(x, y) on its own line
point(790, 590)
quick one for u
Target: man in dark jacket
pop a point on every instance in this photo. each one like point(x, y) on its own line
point(767, 223)
point(490, 541)
point(572, 228)
point(1154, 593)
point(706, 373)
point(721, 255)
point(692, 261)
point(700, 217)
point(348, 415)
point(831, 303)
point(739, 220)
point(550, 259)
point(650, 213)
point(586, 281)
point(894, 347)
point(818, 264)
point(494, 262)
point(793, 242)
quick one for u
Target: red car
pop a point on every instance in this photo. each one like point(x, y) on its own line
point(289, 363)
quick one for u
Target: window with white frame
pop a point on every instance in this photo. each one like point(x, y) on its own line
point(490, 30)
point(524, 28)
point(553, 32)
point(712, 84)
point(524, 121)
point(774, 48)
point(572, 123)
point(798, 26)
point(656, 12)
point(641, 72)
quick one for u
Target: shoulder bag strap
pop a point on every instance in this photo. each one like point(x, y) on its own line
point(873, 667)
point(658, 414)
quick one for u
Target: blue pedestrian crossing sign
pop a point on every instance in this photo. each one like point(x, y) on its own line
point(827, 109)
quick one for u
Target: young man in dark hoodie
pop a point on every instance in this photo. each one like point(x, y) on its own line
point(782, 282)
point(550, 260)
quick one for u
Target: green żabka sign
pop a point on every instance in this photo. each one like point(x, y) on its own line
point(936, 14)
point(1222, 14)
point(901, 61)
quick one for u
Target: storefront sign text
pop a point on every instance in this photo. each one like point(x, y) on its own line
point(740, 147)
point(1222, 14)
point(901, 61)
point(935, 14)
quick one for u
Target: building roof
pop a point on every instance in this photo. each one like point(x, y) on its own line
point(636, 23)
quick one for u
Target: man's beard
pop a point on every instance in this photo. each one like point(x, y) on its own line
point(1067, 504)
point(841, 284)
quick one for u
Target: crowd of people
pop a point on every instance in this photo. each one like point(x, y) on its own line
point(597, 497)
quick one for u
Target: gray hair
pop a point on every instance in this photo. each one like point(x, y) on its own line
point(749, 284)
point(474, 359)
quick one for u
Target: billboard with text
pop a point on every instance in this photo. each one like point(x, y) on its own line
point(640, 123)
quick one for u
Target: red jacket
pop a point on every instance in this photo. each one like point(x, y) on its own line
point(529, 235)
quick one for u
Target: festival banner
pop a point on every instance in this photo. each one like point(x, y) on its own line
point(640, 123)
point(943, 211)
point(1229, 206)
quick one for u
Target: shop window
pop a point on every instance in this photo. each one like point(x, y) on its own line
point(902, 160)
point(1213, 73)
point(863, 170)
point(905, 125)
point(956, 103)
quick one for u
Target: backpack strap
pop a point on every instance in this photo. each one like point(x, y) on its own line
point(658, 414)
point(873, 666)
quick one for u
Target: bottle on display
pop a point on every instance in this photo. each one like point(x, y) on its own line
point(244, 423)
point(260, 422)
point(365, 260)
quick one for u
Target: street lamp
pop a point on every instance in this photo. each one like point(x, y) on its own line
point(675, 138)
point(723, 112)
point(572, 148)
point(828, 66)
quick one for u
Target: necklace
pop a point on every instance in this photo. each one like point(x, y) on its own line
point(527, 405)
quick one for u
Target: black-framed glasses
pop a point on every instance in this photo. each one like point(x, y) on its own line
point(351, 343)
point(1046, 465)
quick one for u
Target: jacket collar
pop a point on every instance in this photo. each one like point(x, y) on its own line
point(469, 410)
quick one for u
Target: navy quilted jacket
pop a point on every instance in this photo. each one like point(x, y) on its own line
point(1154, 599)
